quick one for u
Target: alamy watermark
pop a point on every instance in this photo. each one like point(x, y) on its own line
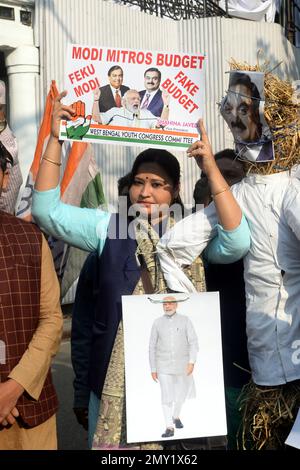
point(132, 216)
point(296, 353)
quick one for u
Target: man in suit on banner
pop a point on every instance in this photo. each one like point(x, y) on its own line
point(151, 97)
point(110, 96)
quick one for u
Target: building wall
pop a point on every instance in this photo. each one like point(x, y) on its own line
point(14, 33)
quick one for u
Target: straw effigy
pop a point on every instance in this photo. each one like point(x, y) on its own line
point(282, 114)
point(268, 413)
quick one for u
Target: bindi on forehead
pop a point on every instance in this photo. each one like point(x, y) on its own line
point(150, 178)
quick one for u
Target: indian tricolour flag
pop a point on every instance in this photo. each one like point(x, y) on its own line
point(80, 185)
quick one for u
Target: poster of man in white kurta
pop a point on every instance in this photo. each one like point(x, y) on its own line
point(173, 349)
point(173, 367)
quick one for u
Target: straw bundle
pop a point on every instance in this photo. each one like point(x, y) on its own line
point(268, 415)
point(282, 114)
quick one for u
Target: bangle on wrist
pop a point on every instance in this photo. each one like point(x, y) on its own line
point(51, 161)
point(220, 192)
point(166, 105)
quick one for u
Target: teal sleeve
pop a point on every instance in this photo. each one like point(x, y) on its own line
point(229, 245)
point(83, 228)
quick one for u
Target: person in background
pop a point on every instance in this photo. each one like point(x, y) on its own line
point(10, 194)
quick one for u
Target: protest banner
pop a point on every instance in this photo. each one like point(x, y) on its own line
point(133, 97)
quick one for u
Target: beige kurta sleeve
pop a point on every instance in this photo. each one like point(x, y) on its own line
point(33, 367)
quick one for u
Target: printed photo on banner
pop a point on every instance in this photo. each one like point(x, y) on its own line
point(173, 367)
point(243, 110)
point(133, 97)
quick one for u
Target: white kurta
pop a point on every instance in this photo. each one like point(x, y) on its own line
point(173, 344)
point(272, 272)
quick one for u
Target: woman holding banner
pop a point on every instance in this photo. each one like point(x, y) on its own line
point(128, 263)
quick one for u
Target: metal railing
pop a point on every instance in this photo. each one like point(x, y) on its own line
point(188, 9)
point(179, 9)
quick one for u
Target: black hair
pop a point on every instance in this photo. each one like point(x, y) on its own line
point(238, 78)
point(202, 192)
point(123, 184)
point(154, 69)
point(5, 158)
point(166, 160)
point(237, 165)
point(113, 68)
point(230, 154)
point(163, 158)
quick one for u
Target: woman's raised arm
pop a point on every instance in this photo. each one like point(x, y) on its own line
point(228, 210)
point(49, 170)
